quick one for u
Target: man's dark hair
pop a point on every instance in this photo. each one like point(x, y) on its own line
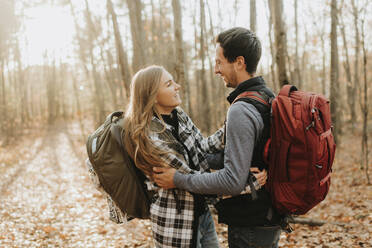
point(241, 42)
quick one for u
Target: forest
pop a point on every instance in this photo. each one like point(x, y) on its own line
point(65, 65)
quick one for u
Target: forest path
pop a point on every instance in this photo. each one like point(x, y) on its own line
point(47, 200)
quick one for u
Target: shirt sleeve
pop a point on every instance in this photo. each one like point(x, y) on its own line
point(210, 144)
point(244, 125)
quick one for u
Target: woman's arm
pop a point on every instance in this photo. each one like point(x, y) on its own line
point(211, 144)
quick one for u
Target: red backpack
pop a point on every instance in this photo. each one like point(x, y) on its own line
point(300, 150)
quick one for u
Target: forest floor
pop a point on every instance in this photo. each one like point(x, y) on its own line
point(47, 200)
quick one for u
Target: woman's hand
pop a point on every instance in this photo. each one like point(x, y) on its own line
point(261, 176)
point(163, 177)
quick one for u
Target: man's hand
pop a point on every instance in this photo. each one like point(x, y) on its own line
point(261, 176)
point(163, 177)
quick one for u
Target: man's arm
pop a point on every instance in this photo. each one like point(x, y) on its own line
point(244, 124)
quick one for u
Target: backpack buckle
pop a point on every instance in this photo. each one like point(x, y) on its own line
point(312, 124)
point(284, 224)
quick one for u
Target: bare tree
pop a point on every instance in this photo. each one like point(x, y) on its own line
point(98, 97)
point(51, 77)
point(121, 54)
point(319, 22)
point(252, 15)
point(280, 40)
point(180, 66)
point(206, 124)
point(138, 34)
point(272, 48)
point(349, 82)
point(21, 86)
point(297, 63)
point(334, 73)
point(3, 106)
point(351, 87)
point(365, 108)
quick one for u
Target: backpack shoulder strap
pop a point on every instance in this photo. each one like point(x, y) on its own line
point(116, 132)
point(255, 95)
point(259, 99)
point(262, 102)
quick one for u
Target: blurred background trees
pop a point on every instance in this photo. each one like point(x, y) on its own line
point(321, 46)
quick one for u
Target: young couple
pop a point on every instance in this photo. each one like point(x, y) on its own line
point(171, 151)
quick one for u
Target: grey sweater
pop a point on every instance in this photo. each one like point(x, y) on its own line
point(244, 126)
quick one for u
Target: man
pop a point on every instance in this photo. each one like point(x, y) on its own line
point(251, 222)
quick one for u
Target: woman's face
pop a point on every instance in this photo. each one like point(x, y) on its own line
point(168, 97)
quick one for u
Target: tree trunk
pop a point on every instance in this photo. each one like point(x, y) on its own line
point(280, 41)
point(194, 89)
point(84, 61)
point(3, 107)
point(98, 96)
point(21, 86)
point(297, 63)
point(351, 88)
point(62, 92)
point(334, 73)
point(154, 48)
point(252, 15)
point(324, 68)
point(272, 48)
point(206, 122)
point(51, 91)
point(121, 54)
point(110, 76)
point(349, 83)
point(180, 67)
point(365, 110)
point(138, 34)
point(79, 111)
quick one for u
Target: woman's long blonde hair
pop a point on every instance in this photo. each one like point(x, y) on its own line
point(141, 109)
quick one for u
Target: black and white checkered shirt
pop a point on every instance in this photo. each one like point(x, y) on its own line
point(170, 227)
point(172, 219)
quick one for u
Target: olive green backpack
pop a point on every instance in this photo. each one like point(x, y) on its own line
point(116, 171)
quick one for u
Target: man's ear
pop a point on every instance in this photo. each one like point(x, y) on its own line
point(240, 63)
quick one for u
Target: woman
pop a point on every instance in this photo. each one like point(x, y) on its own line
point(159, 133)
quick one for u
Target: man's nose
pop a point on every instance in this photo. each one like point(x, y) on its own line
point(216, 69)
point(177, 86)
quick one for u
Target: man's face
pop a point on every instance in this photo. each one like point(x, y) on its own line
point(225, 69)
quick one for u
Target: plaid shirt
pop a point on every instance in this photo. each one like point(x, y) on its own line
point(170, 227)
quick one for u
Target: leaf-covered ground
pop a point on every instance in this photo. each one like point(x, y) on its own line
point(47, 200)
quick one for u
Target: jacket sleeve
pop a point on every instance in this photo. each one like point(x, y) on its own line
point(244, 124)
point(172, 158)
point(211, 144)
